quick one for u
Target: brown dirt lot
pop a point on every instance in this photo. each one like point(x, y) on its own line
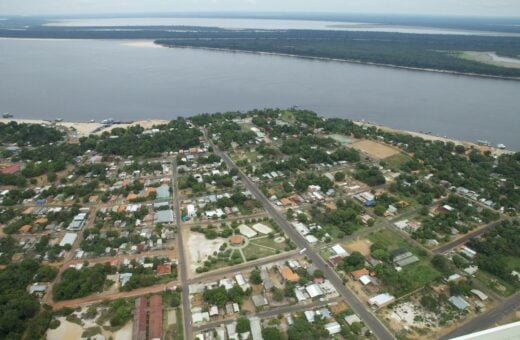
point(375, 149)
point(362, 246)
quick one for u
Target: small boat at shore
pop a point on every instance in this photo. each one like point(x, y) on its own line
point(7, 115)
point(501, 146)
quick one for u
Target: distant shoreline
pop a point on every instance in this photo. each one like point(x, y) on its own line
point(350, 61)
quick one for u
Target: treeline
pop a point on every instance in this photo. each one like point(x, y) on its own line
point(497, 249)
point(439, 52)
point(28, 134)
point(20, 311)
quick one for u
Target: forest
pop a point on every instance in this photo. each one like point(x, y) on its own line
point(425, 51)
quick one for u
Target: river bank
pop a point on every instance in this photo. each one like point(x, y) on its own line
point(350, 61)
point(83, 129)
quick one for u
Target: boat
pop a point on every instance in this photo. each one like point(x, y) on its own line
point(7, 115)
point(484, 142)
point(501, 146)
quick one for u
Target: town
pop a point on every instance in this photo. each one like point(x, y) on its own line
point(270, 224)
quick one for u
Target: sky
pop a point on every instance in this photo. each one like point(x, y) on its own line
point(412, 7)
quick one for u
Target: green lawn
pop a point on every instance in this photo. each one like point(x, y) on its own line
point(495, 283)
point(421, 273)
point(288, 116)
point(268, 242)
point(397, 160)
point(392, 240)
point(326, 253)
point(253, 250)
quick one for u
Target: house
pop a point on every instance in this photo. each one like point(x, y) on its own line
point(339, 250)
point(259, 300)
point(163, 192)
point(365, 280)
point(288, 275)
point(479, 294)
point(314, 290)
point(213, 311)
point(256, 328)
point(350, 319)
point(366, 198)
point(309, 315)
point(381, 300)
point(335, 260)
point(68, 239)
point(164, 269)
point(402, 257)
point(191, 211)
point(333, 328)
point(459, 302)
point(163, 216)
point(199, 317)
point(357, 274)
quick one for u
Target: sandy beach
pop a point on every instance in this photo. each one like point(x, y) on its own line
point(85, 129)
point(429, 137)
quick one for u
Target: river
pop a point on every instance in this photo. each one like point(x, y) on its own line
point(79, 80)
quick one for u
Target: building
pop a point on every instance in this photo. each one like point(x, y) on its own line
point(381, 300)
point(139, 326)
point(10, 169)
point(164, 269)
point(259, 300)
point(68, 239)
point(191, 211)
point(357, 274)
point(366, 198)
point(155, 327)
point(163, 216)
point(459, 302)
point(236, 240)
point(288, 275)
point(333, 328)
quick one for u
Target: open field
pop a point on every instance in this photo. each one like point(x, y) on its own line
point(374, 149)
point(490, 58)
point(362, 246)
point(395, 161)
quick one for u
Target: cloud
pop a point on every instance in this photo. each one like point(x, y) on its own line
point(434, 7)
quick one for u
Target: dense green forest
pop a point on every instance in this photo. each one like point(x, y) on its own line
point(436, 52)
point(428, 51)
point(28, 134)
point(19, 310)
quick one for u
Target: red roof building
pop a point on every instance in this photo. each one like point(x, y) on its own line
point(10, 169)
point(155, 327)
point(139, 328)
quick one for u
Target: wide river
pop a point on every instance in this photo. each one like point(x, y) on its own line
point(79, 80)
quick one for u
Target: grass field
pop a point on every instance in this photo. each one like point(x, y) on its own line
point(288, 116)
point(253, 251)
point(391, 240)
point(495, 283)
point(268, 242)
point(397, 160)
point(421, 273)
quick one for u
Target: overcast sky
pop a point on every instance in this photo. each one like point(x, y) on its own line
point(431, 7)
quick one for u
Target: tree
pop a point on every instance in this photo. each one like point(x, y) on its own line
point(442, 264)
point(255, 277)
point(271, 333)
point(339, 176)
point(243, 325)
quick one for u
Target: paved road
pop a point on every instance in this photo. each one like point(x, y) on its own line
point(269, 313)
point(379, 330)
point(487, 319)
point(449, 246)
point(219, 273)
point(183, 266)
